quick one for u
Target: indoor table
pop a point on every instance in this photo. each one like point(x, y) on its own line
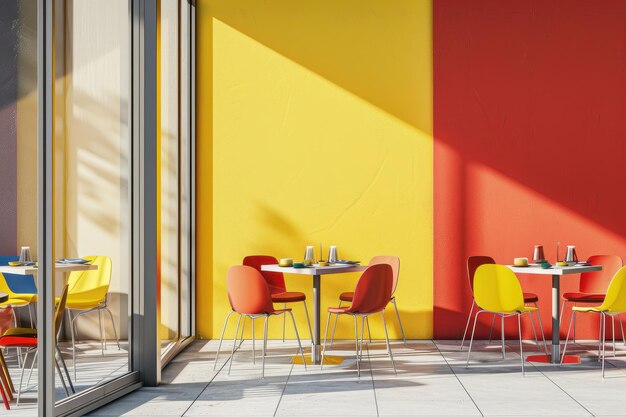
point(316, 272)
point(556, 272)
point(32, 270)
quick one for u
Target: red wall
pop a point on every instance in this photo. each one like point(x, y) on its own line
point(530, 141)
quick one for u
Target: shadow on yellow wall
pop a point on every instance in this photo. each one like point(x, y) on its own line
point(314, 124)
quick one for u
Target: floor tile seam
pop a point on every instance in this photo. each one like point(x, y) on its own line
point(284, 388)
point(563, 390)
point(458, 379)
point(369, 362)
point(538, 368)
point(206, 386)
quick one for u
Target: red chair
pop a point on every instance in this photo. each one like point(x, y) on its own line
point(593, 285)
point(6, 385)
point(473, 262)
point(249, 296)
point(278, 289)
point(394, 262)
point(27, 338)
point(372, 294)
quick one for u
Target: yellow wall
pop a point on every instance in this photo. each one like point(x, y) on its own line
point(315, 125)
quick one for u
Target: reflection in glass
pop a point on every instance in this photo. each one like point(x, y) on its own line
point(91, 188)
point(169, 169)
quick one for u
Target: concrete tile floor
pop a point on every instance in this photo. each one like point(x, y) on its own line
point(432, 380)
point(93, 368)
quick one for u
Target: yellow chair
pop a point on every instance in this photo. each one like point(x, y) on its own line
point(16, 300)
point(614, 304)
point(88, 292)
point(497, 291)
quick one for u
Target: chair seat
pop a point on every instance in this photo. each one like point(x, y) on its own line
point(18, 341)
point(15, 302)
point(584, 297)
point(82, 303)
point(338, 310)
point(21, 331)
point(529, 297)
point(347, 296)
point(288, 297)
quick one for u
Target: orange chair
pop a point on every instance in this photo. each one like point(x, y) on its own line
point(278, 289)
point(27, 338)
point(394, 262)
point(249, 296)
point(473, 262)
point(592, 287)
point(372, 294)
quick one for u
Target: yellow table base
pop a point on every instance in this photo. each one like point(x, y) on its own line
point(328, 360)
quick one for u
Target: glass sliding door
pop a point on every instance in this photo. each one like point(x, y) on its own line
point(174, 173)
point(92, 199)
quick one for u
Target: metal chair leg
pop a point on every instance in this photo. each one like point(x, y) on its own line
point(117, 339)
point(569, 329)
point(574, 335)
point(325, 337)
point(56, 364)
point(264, 347)
point(32, 367)
point(543, 336)
point(603, 316)
point(72, 331)
point(102, 342)
point(332, 337)
point(472, 337)
point(298, 337)
point(369, 333)
point(388, 346)
point(469, 318)
point(395, 306)
point(356, 347)
point(621, 325)
point(360, 352)
point(308, 320)
point(221, 339)
point(232, 354)
point(253, 343)
point(67, 374)
point(613, 334)
point(521, 349)
point(284, 322)
point(493, 322)
point(502, 335)
point(243, 331)
point(19, 388)
point(532, 323)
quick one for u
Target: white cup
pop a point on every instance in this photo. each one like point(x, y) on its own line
point(332, 254)
point(309, 255)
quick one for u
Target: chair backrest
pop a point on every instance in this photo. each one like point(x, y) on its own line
point(473, 262)
point(496, 288)
point(248, 291)
point(19, 284)
point(275, 280)
point(374, 289)
point(598, 282)
point(392, 261)
point(615, 299)
point(94, 284)
point(60, 310)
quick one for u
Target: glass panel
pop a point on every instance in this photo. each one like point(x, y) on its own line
point(91, 188)
point(169, 171)
point(18, 177)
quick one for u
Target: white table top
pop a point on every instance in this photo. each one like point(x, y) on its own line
point(314, 269)
point(554, 270)
point(32, 270)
